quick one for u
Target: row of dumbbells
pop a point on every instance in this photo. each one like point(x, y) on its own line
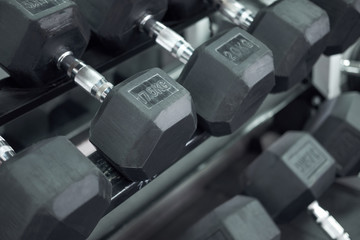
point(288, 179)
point(145, 121)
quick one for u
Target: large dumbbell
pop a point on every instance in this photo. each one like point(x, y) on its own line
point(344, 21)
point(228, 76)
point(337, 127)
point(143, 123)
point(240, 218)
point(290, 176)
point(50, 191)
point(295, 30)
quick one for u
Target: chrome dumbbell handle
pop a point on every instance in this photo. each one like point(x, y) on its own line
point(167, 38)
point(85, 76)
point(327, 222)
point(6, 152)
point(236, 12)
point(350, 67)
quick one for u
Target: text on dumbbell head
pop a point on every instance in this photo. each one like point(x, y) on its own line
point(307, 161)
point(237, 49)
point(153, 91)
point(37, 6)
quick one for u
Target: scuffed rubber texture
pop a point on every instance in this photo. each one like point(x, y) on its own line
point(337, 127)
point(144, 124)
point(345, 21)
point(297, 32)
point(51, 191)
point(290, 174)
point(31, 37)
point(228, 77)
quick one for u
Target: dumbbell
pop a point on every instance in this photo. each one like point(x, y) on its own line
point(336, 126)
point(240, 218)
point(295, 30)
point(290, 176)
point(50, 191)
point(344, 17)
point(144, 122)
point(344, 22)
point(228, 77)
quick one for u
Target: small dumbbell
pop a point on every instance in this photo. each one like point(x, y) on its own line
point(336, 126)
point(144, 122)
point(290, 176)
point(240, 218)
point(228, 76)
point(50, 191)
point(295, 30)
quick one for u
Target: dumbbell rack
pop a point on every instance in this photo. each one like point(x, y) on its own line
point(19, 102)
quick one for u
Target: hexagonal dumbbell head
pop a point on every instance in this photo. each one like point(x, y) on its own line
point(228, 77)
point(116, 22)
point(344, 20)
point(144, 124)
point(239, 218)
point(290, 174)
point(296, 31)
point(51, 191)
point(337, 127)
point(42, 29)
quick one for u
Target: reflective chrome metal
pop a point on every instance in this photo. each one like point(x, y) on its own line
point(85, 76)
point(351, 67)
point(327, 222)
point(6, 152)
point(167, 38)
point(236, 13)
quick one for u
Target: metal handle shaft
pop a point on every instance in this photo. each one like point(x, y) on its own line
point(167, 38)
point(327, 222)
point(350, 67)
point(6, 152)
point(85, 76)
point(236, 13)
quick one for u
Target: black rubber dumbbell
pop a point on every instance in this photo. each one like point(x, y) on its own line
point(240, 218)
point(143, 123)
point(290, 176)
point(337, 127)
point(295, 30)
point(344, 21)
point(228, 76)
point(293, 172)
point(50, 191)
